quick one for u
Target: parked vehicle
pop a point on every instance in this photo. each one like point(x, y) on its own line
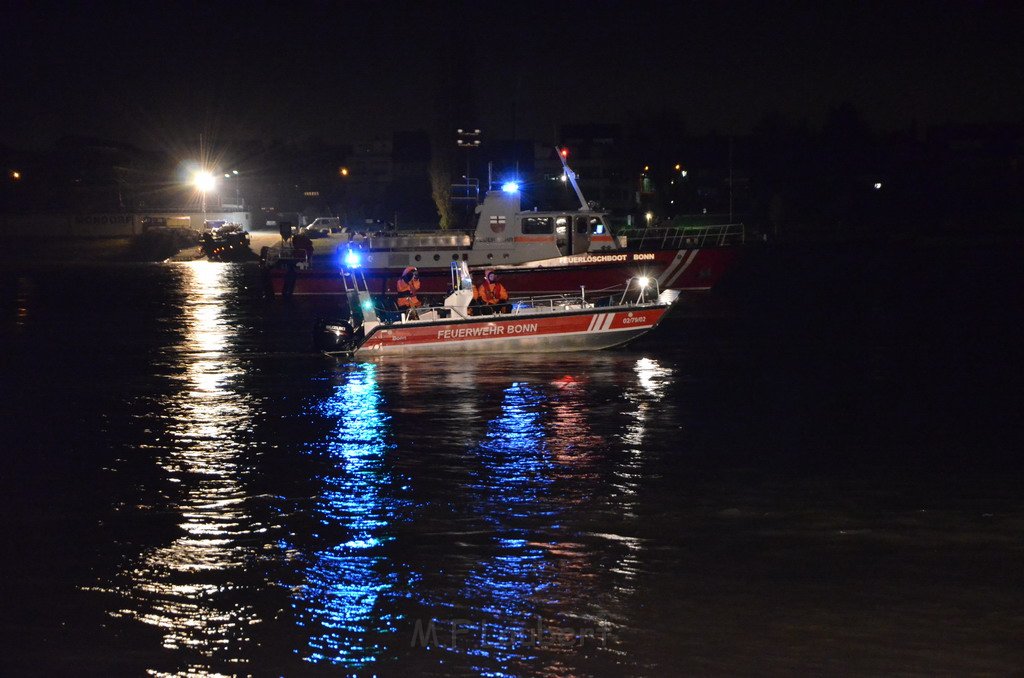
point(322, 226)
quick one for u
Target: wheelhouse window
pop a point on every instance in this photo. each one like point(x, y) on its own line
point(538, 225)
point(562, 225)
point(581, 225)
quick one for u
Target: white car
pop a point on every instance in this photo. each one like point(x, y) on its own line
point(325, 225)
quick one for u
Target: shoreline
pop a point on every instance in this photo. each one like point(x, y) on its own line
point(168, 246)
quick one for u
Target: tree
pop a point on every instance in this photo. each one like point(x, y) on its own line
point(441, 185)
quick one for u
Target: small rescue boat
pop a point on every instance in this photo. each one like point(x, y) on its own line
point(531, 325)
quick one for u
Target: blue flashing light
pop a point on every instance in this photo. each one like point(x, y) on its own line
point(352, 259)
point(510, 187)
point(367, 305)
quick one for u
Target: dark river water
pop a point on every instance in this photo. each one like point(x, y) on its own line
point(814, 469)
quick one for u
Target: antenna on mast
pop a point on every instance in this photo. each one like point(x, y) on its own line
point(563, 153)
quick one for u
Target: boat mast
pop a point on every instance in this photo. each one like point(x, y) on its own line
point(572, 179)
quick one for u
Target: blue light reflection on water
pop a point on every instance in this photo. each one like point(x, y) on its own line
point(511, 486)
point(158, 459)
point(339, 602)
point(515, 457)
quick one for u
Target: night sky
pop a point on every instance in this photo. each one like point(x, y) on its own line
point(160, 74)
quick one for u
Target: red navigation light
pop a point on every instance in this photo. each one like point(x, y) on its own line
point(564, 152)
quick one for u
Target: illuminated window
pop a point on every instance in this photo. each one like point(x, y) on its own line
point(538, 225)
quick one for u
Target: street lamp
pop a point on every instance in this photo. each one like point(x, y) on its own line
point(468, 139)
point(233, 174)
point(204, 183)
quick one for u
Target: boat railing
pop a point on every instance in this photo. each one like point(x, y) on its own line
point(638, 291)
point(680, 237)
point(285, 253)
point(390, 240)
point(549, 302)
point(389, 314)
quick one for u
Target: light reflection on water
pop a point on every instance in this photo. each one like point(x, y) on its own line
point(337, 603)
point(525, 480)
point(645, 400)
point(536, 463)
point(524, 568)
point(188, 588)
point(511, 484)
point(241, 505)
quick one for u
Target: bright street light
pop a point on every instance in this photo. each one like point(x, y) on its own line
point(204, 183)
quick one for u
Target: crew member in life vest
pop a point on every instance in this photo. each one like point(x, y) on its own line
point(491, 295)
point(408, 286)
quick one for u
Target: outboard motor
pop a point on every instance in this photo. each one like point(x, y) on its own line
point(334, 336)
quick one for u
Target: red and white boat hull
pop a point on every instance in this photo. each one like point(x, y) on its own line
point(582, 330)
point(678, 269)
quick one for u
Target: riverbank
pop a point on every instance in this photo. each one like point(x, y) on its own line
point(151, 246)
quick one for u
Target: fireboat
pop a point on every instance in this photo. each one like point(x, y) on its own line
point(535, 252)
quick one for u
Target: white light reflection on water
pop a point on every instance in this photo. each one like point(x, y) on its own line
point(645, 398)
point(338, 604)
point(191, 589)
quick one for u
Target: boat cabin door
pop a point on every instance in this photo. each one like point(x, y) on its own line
point(581, 234)
point(572, 234)
point(563, 234)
